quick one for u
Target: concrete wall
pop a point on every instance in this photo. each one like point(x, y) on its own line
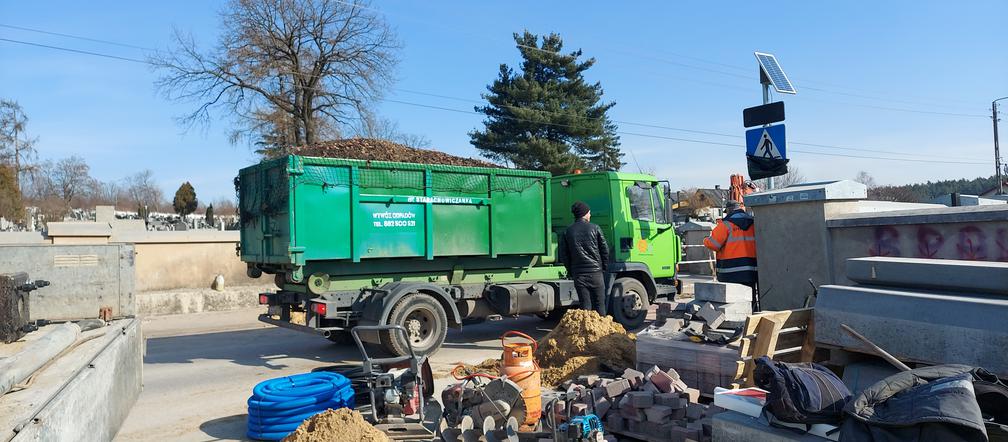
point(978, 233)
point(83, 278)
point(186, 259)
point(793, 240)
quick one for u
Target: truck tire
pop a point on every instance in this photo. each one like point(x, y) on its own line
point(425, 322)
point(629, 303)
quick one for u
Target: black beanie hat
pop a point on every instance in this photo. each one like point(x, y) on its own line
point(579, 209)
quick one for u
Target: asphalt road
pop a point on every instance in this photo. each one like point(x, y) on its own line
point(200, 368)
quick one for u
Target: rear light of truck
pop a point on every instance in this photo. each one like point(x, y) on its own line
point(264, 298)
point(319, 308)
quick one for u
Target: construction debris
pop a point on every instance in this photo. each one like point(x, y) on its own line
point(582, 343)
point(383, 150)
point(341, 425)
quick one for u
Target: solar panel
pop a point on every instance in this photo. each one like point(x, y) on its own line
point(774, 72)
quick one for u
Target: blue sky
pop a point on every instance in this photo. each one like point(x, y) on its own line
point(881, 76)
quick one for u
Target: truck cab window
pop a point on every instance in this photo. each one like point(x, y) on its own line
point(640, 203)
point(658, 201)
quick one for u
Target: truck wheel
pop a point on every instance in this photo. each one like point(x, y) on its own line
point(425, 322)
point(629, 303)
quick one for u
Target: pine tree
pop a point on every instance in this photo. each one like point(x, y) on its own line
point(547, 116)
point(185, 200)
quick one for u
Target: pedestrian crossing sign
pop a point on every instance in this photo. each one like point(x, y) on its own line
point(766, 142)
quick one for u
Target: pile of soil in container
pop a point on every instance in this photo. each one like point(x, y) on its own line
point(383, 150)
point(584, 343)
point(341, 425)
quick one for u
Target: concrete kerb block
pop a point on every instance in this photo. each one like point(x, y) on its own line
point(712, 316)
point(658, 413)
point(602, 406)
point(722, 292)
point(617, 388)
point(695, 411)
point(640, 399)
point(662, 381)
point(635, 377)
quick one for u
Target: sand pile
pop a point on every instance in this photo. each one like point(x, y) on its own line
point(342, 425)
point(584, 342)
point(384, 150)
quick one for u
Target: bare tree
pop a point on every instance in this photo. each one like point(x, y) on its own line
point(143, 191)
point(794, 176)
point(373, 126)
point(15, 146)
point(70, 178)
point(314, 61)
point(866, 179)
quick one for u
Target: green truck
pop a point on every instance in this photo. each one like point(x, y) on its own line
point(353, 242)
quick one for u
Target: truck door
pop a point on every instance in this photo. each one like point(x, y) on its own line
point(643, 218)
point(654, 242)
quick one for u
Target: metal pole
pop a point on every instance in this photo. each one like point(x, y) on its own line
point(766, 100)
point(997, 150)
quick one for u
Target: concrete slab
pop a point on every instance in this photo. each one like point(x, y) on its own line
point(84, 395)
point(929, 327)
point(805, 192)
point(721, 292)
point(936, 274)
point(737, 427)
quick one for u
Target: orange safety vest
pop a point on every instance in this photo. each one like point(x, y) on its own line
point(735, 247)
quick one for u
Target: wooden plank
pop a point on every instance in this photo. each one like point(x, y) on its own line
point(809, 346)
point(792, 318)
point(766, 341)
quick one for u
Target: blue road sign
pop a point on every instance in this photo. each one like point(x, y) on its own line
point(766, 142)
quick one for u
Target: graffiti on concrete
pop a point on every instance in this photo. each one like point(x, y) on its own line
point(969, 242)
point(929, 242)
point(886, 242)
point(972, 244)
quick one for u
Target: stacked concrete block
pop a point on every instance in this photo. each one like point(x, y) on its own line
point(734, 300)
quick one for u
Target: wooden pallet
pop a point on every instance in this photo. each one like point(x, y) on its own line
point(787, 336)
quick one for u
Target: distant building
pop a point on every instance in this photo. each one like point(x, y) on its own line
point(955, 199)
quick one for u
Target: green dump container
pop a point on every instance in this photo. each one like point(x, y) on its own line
point(299, 210)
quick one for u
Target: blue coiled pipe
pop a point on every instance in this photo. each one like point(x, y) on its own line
point(278, 406)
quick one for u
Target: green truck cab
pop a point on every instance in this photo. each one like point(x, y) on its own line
point(353, 242)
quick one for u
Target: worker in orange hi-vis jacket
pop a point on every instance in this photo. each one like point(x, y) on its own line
point(734, 241)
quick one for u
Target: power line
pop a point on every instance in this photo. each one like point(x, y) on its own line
point(686, 140)
point(695, 131)
point(80, 37)
point(617, 50)
point(78, 51)
point(564, 125)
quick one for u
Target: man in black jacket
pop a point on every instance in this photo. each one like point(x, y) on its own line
point(585, 253)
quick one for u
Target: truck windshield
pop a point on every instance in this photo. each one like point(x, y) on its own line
point(640, 202)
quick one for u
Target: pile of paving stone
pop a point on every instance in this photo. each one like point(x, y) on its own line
point(653, 405)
